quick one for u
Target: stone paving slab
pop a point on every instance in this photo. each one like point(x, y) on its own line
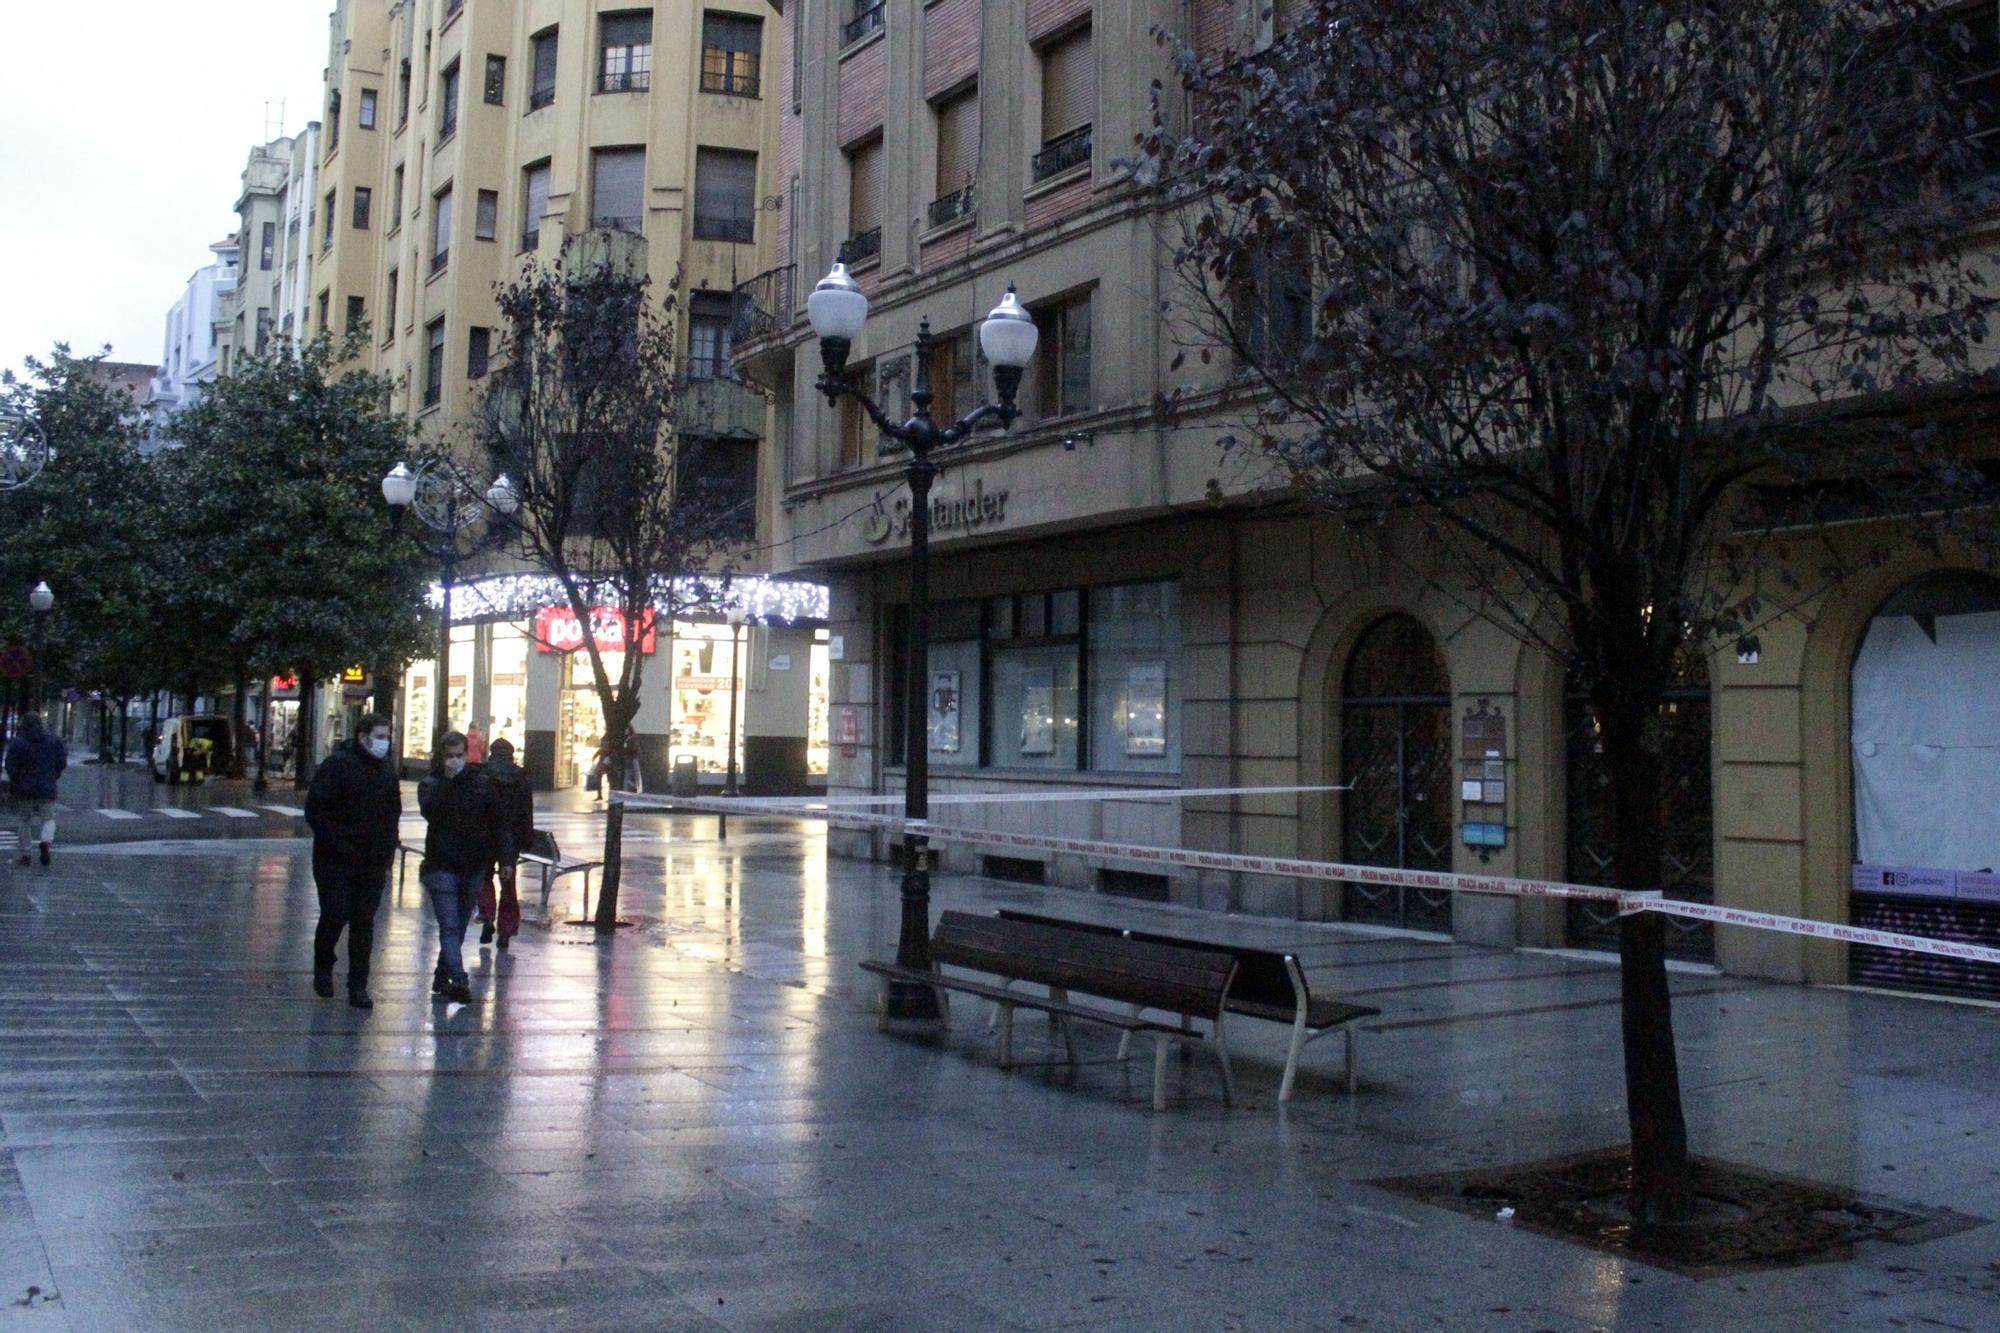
point(699, 1126)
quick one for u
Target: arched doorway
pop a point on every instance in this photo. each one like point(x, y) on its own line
point(1687, 813)
point(1925, 737)
point(1395, 757)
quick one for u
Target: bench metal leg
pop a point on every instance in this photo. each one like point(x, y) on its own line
point(1006, 1036)
point(1060, 994)
point(1222, 1054)
point(1125, 1037)
point(1292, 1056)
point(1161, 1042)
point(1069, 1042)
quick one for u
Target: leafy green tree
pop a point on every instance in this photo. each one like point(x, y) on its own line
point(282, 541)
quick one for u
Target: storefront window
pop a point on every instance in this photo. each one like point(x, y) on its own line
point(463, 651)
point(580, 726)
point(818, 750)
point(706, 680)
point(1135, 678)
point(419, 695)
point(507, 691)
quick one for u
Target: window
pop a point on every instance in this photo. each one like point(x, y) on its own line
point(864, 202)
point(535, 186)
point(1134, 685)
point(366, 119)
point(731, 49)
point(798, 12)
point(722, 476)
point(1062, 359)
point(867, 18)
point(955, 365)
point(267, 246)
point(957, 157)
point(332, 121)
point(853, 421)
point(448, 103)
point(403, 93)
point(326, 235)
point(486, 215)
point(364, 202)
point(357, 314)
point(1275, 315)
point(1069, 104)
point(263, 328)
point(625, 51)
point(708, 335)
point(1973, 68)
point(618, 188)
point(434, 364)
point(441, 230)
point(1033, 646)
point(725, 195)
point(396, 202)
point(478, 345)
point(496, 80)
point(325, 302)
point(542, 91)
point(389, 306)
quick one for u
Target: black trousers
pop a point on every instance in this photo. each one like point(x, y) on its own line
point(348, 900)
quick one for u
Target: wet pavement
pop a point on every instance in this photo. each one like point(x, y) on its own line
point(699, 1126)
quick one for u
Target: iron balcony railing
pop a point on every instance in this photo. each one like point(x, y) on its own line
point(617, 222)
point(624, 81)
point(531, 239)
point(439, 260)
point(863, 23)
point(1063, 152)
point(762, 306)
point(951, 207)
point(864, 245)
point(729, 84)
point(541, 97)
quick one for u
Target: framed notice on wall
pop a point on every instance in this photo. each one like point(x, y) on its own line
point(1038, 711)
point(945, 701)
point(1146, 708)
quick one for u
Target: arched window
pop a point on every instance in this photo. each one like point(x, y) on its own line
point(1396, 759)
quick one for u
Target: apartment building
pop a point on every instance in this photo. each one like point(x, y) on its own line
point(466, 139)
point(191, 355)
point(274, 219)
point(1110, 606)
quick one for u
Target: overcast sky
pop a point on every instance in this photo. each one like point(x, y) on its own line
point(124, 125)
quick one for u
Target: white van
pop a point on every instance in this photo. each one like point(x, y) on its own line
point(192, 747)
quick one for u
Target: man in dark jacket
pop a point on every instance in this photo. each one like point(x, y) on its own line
point(467, 836)
point(353, 808)
point(35, 761)
point(517, 811)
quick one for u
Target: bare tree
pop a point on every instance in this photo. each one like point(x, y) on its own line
point(583, 415)
point(1603, 296)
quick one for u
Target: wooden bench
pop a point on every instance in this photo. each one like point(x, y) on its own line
point(1269, 985)
point(1187, 982)
point(553, 867)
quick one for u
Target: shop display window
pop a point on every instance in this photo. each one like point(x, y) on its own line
point(707, 676)
point(1135, 678)
point(819, 751)
point(419, 690)
point(507, 688)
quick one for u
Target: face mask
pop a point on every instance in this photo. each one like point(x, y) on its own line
point(379, 747)
point(454, 766)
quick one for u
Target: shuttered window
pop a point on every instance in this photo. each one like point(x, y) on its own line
point(543, 90)
point(626, 45)
point(864, 188)
point(958, 141)
point(1069, 85)
point(725, 195)
point(441, 229)
point(618, 188)
point(731, 46)
point(537, 190)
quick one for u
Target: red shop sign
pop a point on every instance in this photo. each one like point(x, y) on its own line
point(557, 631)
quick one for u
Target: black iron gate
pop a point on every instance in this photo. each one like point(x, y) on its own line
point(1687, 817)
point(1396, 759)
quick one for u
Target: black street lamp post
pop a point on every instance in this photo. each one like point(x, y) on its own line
point(41, 601)
point(443, 499)
point(736, 617)
point(838, 309)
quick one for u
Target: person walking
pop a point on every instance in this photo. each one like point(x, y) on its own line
point(353, 807)
point(516, 801)
point(35, 762)
point(475, 745)
point(466, 837)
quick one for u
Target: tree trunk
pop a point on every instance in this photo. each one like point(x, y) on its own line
point(305, 733)
point(239, 761)
point(1662, 1183)
point(618, 715)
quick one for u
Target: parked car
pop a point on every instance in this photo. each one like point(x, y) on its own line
point(193, 746)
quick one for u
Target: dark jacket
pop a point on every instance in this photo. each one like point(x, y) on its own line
point(35, 759)
point(467, 831)
point(516, 800)
point(353, 809)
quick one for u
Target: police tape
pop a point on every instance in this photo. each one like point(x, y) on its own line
point(1627, 902)
point(1081, 794)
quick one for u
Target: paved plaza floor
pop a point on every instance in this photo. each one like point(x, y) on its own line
point(699, 1126)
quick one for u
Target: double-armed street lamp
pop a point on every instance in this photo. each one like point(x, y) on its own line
point(837, 310)
point(443, 498)
point(41, 601)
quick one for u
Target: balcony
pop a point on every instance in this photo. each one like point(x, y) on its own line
point(728, 83)
point(625, 81)
point(864, 22)
point(951, 207)
point(531, 239)
point(1063, 152)
point(863, 246)
point(617, 222)
point(720, 408)
point(762, 306)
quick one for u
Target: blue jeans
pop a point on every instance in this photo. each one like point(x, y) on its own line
point(453, 899)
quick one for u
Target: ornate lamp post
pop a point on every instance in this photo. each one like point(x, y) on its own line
point(442, 496)
point(41, 601)
point(736, 616)
point(838, 309)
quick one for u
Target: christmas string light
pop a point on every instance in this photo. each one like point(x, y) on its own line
point(762, 598)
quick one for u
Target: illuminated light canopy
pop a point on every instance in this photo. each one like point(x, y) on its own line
point(515, 596)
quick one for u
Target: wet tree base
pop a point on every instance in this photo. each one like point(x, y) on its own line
point(1745, 1220)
